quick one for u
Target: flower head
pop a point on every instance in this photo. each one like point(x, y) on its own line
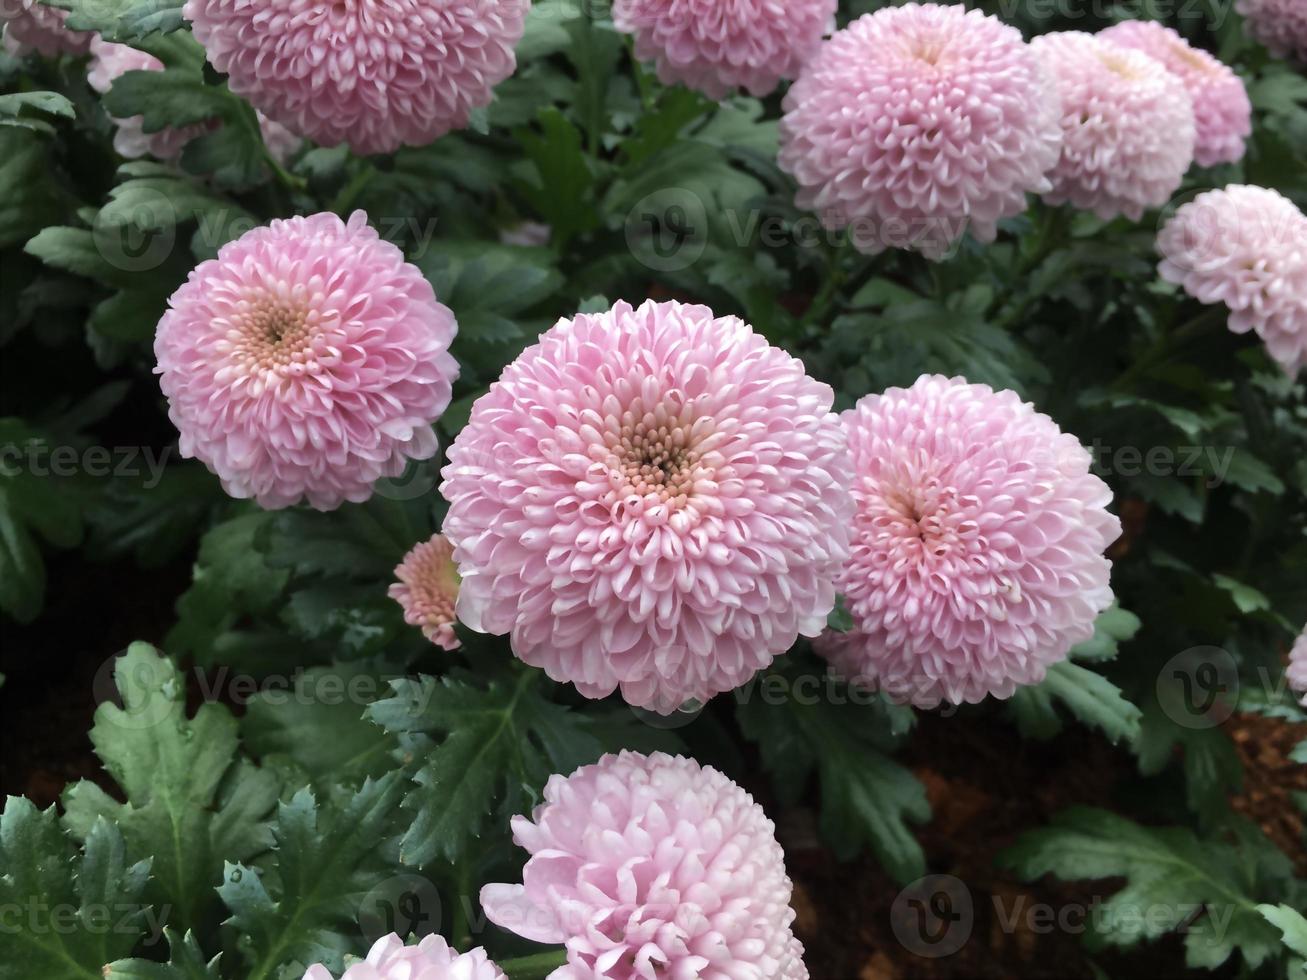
point(1245, 247)
point(431, 959)
point(717, 47)
point(30, 25)
point(307, 360)
point(1296, 675)
point(1222, 112)
point(427, 590)
point(652, 866)
point(1281, 25)
point(978, 544)
point(649, 499)
point(917, 122)
point(376, 74)
point(1127, 123)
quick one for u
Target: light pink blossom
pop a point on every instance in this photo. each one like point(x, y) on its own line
point(431, 959)
point(651, 499)
point(1296, 674)
point(376, 74)
point(1281, 25)
point(977, 557)
point(428, 589)
point(1222, 112)
point(650, 867)
point(917, 123)
point(717, 47)
point(1127, 124)
point(33, 26)
point(1245, 247)
point(307, 361)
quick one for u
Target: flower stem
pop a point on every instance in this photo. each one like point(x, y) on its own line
point(534, 967)
point(1169, 344)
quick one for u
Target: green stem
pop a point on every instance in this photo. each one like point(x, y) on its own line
point(820, 307)
point(344, 201)
point(462, 930)
point(534, 967)
point(1170, 344)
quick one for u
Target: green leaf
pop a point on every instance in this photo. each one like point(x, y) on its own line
point(167, 99)
point(561, 193)
point(25, 161)
point(501, 744)
point(122, 20)
point(1113, 627)
point(1174, 883)
point(318, 723)
point(189, 802)
point(867, 799)
point(303, 909)
point(1092, 698)
point(75, 912)
point(1290, 923)
point(186, 962)
point(24, 109)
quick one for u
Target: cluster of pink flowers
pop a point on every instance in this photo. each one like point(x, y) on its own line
point(977, 558)
point(307, 361)
point(652, 866)
point(718, 47)
point(375, 74)
point(652, 499)
point(1281, 25)
point(30, 25)
point(427, 590)
point(431, 959)
point(1245, 247)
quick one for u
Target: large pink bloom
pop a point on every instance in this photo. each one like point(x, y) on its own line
point(1127, 122)
point(308, 360)
point(917, 122)
point(1281, 25)
point(1245, 247)
point(716, 47)
point(1222, 112)
point(649, 867)
point(650, 499)
point(431, 959)
point(1296, 675)
point(32, 26)
point(376, 74)
point(978, 544)
point(428, 589)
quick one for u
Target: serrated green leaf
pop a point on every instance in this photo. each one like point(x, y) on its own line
point(75, 912)
point(189, 802)
point(122, 20)
point(186, 962)
point(1092, 698)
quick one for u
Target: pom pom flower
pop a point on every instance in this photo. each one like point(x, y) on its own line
point(428, 589)
point(649, 499)
point(376, 74)
point(1281, 25)
point(717, 47)
point(431, 959)
point(1222, 112)
point(652, 866)
point(1296, 675)
point(978, 544)
point(1127, 124)
point(32, 26)
point(917, 122)
point(307, 360)
point(1245, 247)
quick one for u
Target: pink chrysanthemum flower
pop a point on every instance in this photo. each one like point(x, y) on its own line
point(652, 866)
point(431, 959)
point(1296, 675)
point(376, 74)
point(918, 122)
point(307, 360)
point(1127, 123)
point(650, 499)
point(718, 47)
point(978, 544)
point(428, 589)
point(1222, 112)
point(109, 60)
point(1245, 247)
point(32, 26)
point(1281, 25)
